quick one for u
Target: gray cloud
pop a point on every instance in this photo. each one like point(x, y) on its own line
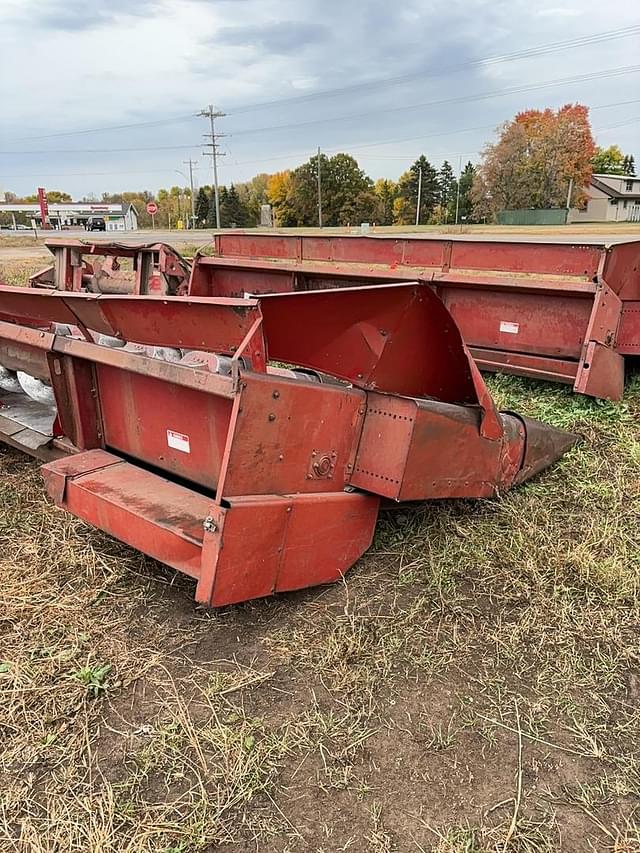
point(281, 37)
point(271, 63)
point(79, 15)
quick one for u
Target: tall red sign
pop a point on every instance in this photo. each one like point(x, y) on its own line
point(44, 207)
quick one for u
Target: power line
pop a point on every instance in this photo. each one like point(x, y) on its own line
point(514, 90)
point(422, 136)
point(605, 74)
point(155, 123)
point(294, 154)
point(332, 149)
point(526, 53)
point(99, 150)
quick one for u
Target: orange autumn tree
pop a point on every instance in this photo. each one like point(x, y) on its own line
point(538, 155)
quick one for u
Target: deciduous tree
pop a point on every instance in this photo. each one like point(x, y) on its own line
point(253, 194)
point(386, 192)
point(608, 161)
point(279, 192)
point(536, 156)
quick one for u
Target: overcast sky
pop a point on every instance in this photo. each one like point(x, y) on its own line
point(90, 65)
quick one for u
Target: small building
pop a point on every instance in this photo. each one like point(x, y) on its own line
point(74, 214)
point(610, 198)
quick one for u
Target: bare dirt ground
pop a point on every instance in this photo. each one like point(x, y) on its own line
point(472, 687)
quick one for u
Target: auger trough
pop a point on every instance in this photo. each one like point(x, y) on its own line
point(248, 440)
point(563, 312)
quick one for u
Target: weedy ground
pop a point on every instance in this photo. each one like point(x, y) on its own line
point(472, 687)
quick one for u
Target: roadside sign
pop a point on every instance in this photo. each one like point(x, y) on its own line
point(152, 208)
point(44, 207)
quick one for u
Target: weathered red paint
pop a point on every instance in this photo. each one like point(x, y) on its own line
point(264, 480)
point(533, 309)
point(157, 268)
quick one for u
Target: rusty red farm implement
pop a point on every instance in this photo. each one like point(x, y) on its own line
point(567, 313)
point(248, 441)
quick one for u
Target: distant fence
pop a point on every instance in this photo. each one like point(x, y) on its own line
point(529, 216)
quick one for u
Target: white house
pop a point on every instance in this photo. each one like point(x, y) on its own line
point(611, 198)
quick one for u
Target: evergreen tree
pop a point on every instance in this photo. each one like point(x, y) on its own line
point(429, 190)
point(222, 201)
point(233, 213)
point(211, 213)
point(465, 202)
point(629, 165)
point(202, 207)
point(448, 187)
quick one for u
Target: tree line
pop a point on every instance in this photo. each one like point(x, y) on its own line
point(540, 159)
point(349, 196)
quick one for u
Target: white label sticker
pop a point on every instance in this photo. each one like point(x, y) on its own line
point(511, 328)
point(178, 440)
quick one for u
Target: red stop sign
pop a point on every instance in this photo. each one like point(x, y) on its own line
point(152, 208)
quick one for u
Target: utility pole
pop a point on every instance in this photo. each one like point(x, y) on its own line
point(212, 115)
point(569, 193)
point(319, 192)
point(191, 163)
point(419, 195)
point(458, 188)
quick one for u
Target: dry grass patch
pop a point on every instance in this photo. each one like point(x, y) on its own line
point(16, 272)
point(472, 686)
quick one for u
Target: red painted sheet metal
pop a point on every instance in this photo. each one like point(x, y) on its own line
point(235, 276)
point(218, 280)
point(293, 436)
point(424, 449)
point(78, 413)
point(539, 258)
point(199, 380)
point(600, 372)
point(532, 309)
point(520, 322)
point(629, 332)
point(396, 338)
point(44, 306)
point(218, 325)
point(178, 429)
point(532, 366)
point(254, 244)
point(522, 257)
point(265, 544)
point(367, 250)
point(158, 517)
point(28, 359)
point(621, 270)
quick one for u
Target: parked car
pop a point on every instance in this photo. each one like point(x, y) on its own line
point(95, 223)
